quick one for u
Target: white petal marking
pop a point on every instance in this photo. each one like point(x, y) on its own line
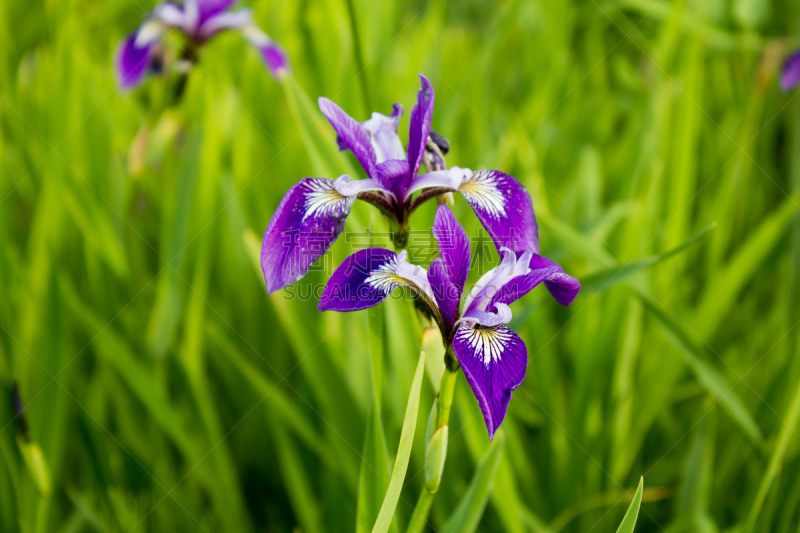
point(383, 278)
point(488, 343)
point(323, 199)
point(482, 190)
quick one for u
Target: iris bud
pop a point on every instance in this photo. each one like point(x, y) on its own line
point(36, 463)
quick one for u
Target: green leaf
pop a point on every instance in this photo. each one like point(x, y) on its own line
point(629, 521)
point(468, 514)
point(608, 277)
point(403, 452)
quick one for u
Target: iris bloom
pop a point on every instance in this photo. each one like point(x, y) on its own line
point(493, 357)
point(312, 214)
point(790, 75)
point(199, 20)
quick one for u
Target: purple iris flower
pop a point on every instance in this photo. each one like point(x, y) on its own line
point(493, 357)
point(790, 75)
point(199, 20)
point(312, 214)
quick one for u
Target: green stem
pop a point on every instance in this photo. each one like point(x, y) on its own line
point(447, 387)
point(362, 68)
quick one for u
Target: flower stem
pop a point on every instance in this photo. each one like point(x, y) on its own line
point(362, 68)
point(447, 387)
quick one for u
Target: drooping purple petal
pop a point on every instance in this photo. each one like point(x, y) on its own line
point(132, 61)
point(420, 127)
point(505, 209)
point(390, 175)
point(790, 74)
point(308, 219)
point(453, 246)
point(494, 362)
point(562, 286)
point(447, 295)
point(363, 280)
point(350, 134)
point(275, 57)
point(224, 21)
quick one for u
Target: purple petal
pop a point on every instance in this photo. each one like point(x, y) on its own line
point(390, 175)
point(350, 134)
point(494, 362)
point(131, 62)
point(382, 132)
point(447, 295)
point(274, 56)
point(209, 8)
point(453, 246)
point(363, 280)
point(309, 218)
point(790, 76)
point(505, 209)
point(563, 287)
point(420, 127)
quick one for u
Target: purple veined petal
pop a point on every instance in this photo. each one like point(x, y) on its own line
point(790, 74)
point(209, 8)
point(420, 127)
point(453, 246)
point(363, 280)
point(390, 175)
point(308, 219)
point(274, 56)
point(494, 361)
point(563, 287)
point(495, 280)
point(505, 209)
point(382, 132)
point(132, 58)
point(350, 134)
point(446, 295)
point(224, 21)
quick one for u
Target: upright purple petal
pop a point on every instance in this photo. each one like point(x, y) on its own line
point(209, 8)
point(447, 295)
point(350, 134)
point(363, 280)
point(132, 62)
point(453, 246)
point(505, 209)
point(790, 75)
point(494, 361)
point(420, 127)
point(562, 286)
point(309, 218)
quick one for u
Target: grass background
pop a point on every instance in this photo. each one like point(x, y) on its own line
point(164, 391)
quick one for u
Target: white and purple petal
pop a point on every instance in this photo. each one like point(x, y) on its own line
point(496, 280)
point(453, 246)
point(420, 127)
point(274, 56)
point(308, 220)
point(390, 175)
point(209, 8)
point(494, 360)
point(363, 280)
point(505, 209)
point(446, 294)
point(350, 134)
point(224, 21)
point(790, 74)
point(562, 286)
point(382, 132)
point(133, 56)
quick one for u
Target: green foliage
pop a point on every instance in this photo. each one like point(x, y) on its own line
point(165, 391)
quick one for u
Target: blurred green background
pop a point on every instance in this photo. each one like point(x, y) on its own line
point(164, 391)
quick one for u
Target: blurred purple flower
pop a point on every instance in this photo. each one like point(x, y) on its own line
point(790, 75)
point(312, 213)
point(493, 357)
point(199, 20)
